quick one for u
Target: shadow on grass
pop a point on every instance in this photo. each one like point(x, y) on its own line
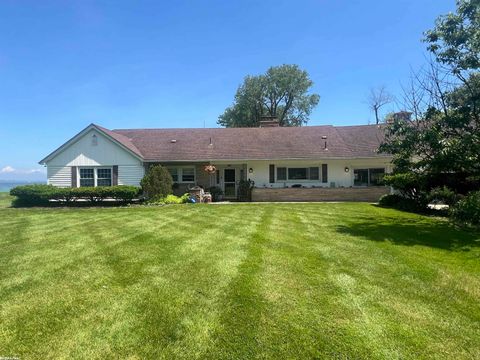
point(432, 234)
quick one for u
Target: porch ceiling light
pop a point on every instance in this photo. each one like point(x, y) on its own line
point(250, 170)
point(347, 169)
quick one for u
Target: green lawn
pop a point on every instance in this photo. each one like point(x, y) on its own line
point(342, 281)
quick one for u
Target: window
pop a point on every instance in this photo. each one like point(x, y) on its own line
point(281, 173)
point(314, 174)
point(87, 177)
point(182, 174)
point(174, 173)
point(104, 177)
point(368, 177)
point(311, 173)
point(95, 177)
point(376, 176)
point(188, 175)
point(360, 177)
point(297, 174)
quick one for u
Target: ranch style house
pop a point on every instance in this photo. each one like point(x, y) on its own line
point(309, 163)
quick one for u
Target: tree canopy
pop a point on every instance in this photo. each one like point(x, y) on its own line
point(281, 92)
point(441, 146)
point(455, 40)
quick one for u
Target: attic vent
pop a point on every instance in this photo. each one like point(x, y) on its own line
point(94, 140)
point(173, 141)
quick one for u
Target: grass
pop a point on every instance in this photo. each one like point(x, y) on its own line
point(343, 281)
point(5, 200)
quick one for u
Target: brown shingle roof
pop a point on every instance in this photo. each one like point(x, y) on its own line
point(125, 141)
point(252, 143)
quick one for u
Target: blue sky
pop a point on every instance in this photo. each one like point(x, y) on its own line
point(121, 64)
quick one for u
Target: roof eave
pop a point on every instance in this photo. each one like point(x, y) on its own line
point(277, 159)
point(79, 135)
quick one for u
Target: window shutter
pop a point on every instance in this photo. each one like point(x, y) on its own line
point(324, 173)
point(272, 173)
point(74, 176)
point(115, 175)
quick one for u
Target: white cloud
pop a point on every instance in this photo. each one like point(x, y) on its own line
point(9, 173)
point(7, 169)
point(35, 171)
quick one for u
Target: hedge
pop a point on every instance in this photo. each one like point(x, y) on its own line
point(43, 194)
point(400, 202)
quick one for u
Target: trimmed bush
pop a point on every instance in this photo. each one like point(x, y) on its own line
point(35, 194)
point(28, 195)
point(390, 200)
point(467, 210)
point(157, 183)
point(401, 203)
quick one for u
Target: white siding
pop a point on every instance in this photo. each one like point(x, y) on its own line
point(84, 152)
point(60, 176)
point(336, 171)
point(130, 174)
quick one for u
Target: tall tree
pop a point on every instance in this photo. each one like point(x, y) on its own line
point(377, 98)
point(443, 147)
point(281, 92)
point(455, 39)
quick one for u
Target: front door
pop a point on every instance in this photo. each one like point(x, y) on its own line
point(229, 183)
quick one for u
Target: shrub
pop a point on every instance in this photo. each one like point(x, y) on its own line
point(216, 192)
point(410, 185)
point(401, 203)
point(32, 194)
point(157, 183)
point(390, 200)
point(443, 195)
point(467, 210)
point(170, 199)
point(245, 190)
point(42, 194)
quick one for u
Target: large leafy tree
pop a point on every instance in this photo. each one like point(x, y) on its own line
point(442, 145)
point(282, 92)
point(455, 39)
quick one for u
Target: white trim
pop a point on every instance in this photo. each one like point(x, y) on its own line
point(95, 175)
point(78, 136)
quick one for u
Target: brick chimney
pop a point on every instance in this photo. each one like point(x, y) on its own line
point(401, 116)
point(269, 121)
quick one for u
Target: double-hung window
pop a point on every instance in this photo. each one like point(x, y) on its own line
point(174, 173)
point(104, 177)
point(182, 174)
point(95, 177)
point(188, 175)
point(87, 177)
